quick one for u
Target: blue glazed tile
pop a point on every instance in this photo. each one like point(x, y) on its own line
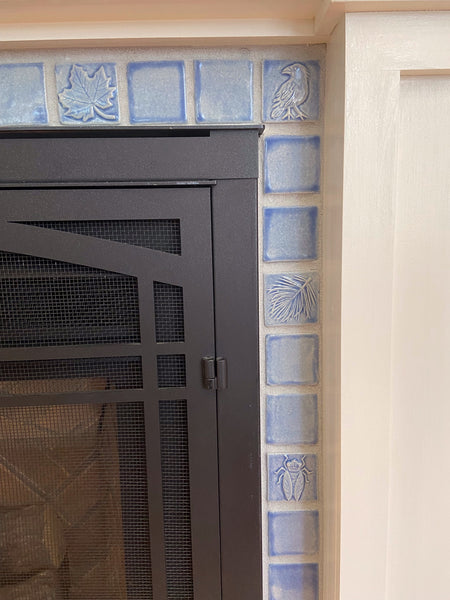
point(87, 93)
point(290, 233)
point(292, 359)
point(22, 94)
point(294, 582)
point(224, 91)
point(293, 532)
point(291, 298)
point(156, 92)
point(292, 419)
point(292, 477)
point(292, 164)
point(291, 90)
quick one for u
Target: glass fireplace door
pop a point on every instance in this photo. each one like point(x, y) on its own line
point(108, 438)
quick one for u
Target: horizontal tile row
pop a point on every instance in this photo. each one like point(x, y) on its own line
point(223, 89)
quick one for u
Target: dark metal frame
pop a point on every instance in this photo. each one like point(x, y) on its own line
point(226, 162)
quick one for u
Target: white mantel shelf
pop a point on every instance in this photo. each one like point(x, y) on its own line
point(88, 23)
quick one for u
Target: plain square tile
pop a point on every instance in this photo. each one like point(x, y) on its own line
point(292, 359)
point(292, 419)
point(156, 91)
point(299, 81)
point(87, 93)
point(223, 91)
point(293, 532)
point(22, 94)
point(290, 233)
point(292, 477)
point(291, 298)
point(294, 581)
point(292, 164)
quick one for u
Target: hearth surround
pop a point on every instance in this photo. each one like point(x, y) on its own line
point(244, 82)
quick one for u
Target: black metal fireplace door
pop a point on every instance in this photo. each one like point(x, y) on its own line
point(129, 444)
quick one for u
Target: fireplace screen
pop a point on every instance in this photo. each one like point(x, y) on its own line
point(73, 514)
point(114, 443)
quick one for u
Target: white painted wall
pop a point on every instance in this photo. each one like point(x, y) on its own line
point(419, 501)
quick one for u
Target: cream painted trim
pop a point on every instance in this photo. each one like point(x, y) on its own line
point(379, 49)
point(159, 33)
point(140, 31)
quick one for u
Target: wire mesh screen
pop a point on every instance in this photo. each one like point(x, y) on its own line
point(171, 370)
point(70, 375)
point(64, 519)
point(169, 312)
point(176, 498)
point(50, 303)
point(156, 234)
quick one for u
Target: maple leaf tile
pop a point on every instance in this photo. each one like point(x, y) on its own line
point(87, 93)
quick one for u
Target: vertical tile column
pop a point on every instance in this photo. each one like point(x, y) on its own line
point(291, 206)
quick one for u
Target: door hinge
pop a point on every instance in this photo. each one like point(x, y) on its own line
point(214, 373)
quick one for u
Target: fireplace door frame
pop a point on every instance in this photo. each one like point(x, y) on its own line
point(221, 163)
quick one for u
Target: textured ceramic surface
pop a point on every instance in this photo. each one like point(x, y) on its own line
point(87, 93)
point(292, 419)
point(293, 532)
point(292, 359)
point(22, 94)
point(224, 91)
point(156, 92)
point(292, 477)
point(290, 233)
point(291, 298)
point(294, 581)
point(291, 90)
point(292, 164)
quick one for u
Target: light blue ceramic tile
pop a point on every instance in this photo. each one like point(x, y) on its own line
point(87, 93)
point(294, 582)
point(22, 94)
point(291, 298)
point(293, 532)
point(292, 164)
point(292, 477)
point(292, 419)
point(291, 90)
point(290, 233)
point(156, 92)
point(224, 91)
point(292, 359)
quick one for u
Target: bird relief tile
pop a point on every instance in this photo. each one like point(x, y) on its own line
point(291, 90)
point(87, 93)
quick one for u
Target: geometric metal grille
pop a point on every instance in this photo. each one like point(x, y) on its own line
point(133, 490)
point(176, 498)
point(51, 303)
point(169, 312)
point(61, 511)
point(156, 234)
point(59, 376)
point(171, 370)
